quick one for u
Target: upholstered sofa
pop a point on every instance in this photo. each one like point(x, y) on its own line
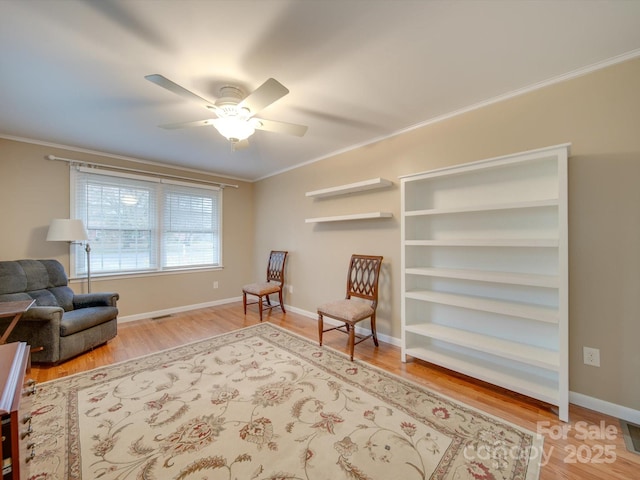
point(61, 324)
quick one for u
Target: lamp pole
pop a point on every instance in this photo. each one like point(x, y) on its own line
point(87, 248)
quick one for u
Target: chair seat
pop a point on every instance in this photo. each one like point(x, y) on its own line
point(348, 310)
point(261, 288)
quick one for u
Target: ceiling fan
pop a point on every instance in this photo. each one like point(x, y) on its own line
point(233, 111)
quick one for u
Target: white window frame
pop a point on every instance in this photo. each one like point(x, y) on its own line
point(158, 230)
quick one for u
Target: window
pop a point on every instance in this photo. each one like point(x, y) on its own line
point(141, 224)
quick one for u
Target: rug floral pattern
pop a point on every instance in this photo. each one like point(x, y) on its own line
point(264, 404)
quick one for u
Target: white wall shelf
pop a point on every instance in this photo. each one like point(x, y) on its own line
point(485, 271)
point(350, 188)
point(356, 216)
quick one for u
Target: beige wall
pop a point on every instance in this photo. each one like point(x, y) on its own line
point(598, 113)
point(34, 190)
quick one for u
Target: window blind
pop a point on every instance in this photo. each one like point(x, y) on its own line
point(190, 226)
point(137, 223)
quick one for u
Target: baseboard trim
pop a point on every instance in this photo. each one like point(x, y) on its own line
point(592, 403)
point(603, 406)
point(170, 311)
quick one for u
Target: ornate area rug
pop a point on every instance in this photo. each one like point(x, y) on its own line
point(262, 403)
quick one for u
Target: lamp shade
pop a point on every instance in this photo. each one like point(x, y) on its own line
point(233, 128)
point(66, 230)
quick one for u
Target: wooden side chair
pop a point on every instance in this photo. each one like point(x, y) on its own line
point(360, 302)
point(274, 284)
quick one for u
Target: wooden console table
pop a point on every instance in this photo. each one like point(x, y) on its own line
point(16, 448)
point(15, 310)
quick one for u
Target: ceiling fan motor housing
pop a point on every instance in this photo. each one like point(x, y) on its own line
point(227, 103)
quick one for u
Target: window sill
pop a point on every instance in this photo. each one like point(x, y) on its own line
point(151, 273)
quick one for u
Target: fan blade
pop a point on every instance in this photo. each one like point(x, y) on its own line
point(178, 90)
point(197, 123)
point(281, 127)
point(263, 96)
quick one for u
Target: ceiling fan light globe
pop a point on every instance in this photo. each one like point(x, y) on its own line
point(234, 129)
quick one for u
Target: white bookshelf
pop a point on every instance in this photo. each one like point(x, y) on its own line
point(485, 271)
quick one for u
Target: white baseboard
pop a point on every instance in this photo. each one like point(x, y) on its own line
point(602, 406)
point(608, 408)
point(171, 311)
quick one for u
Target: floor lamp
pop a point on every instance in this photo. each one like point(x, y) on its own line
point(72, 231)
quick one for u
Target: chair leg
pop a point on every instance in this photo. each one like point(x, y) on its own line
point(281, 302)
point(352, 339)
point(320, 327)
point(373, 329)
point(244, 301)
point(260, 307)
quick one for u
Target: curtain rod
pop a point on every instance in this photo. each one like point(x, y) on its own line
point(125, 169)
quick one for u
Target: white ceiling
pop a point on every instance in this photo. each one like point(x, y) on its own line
point(72, 72)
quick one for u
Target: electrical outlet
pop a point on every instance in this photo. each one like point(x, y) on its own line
point(290, 288)
point(215, 285)
point(591, 356)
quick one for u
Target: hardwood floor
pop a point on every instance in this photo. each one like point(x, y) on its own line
point(590, 447)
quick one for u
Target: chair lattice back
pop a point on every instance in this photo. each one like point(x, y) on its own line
point(362, 278)
point(275, 268)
